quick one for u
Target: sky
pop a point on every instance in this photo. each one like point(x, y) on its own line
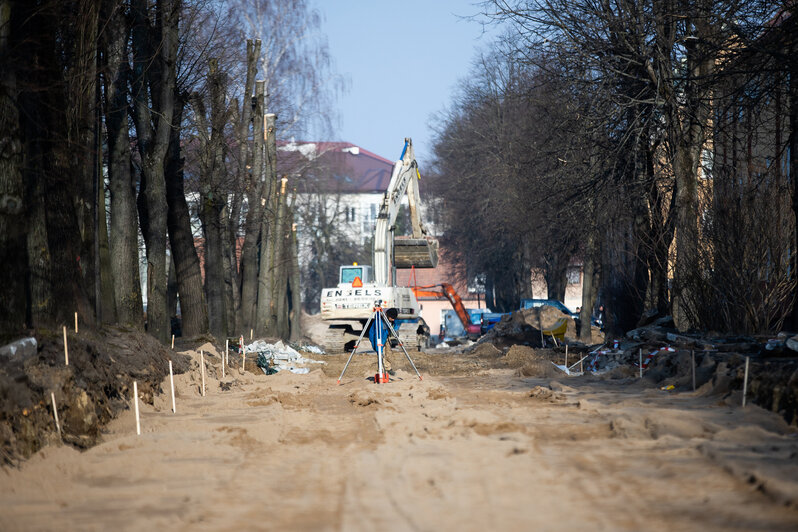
point(402, 61)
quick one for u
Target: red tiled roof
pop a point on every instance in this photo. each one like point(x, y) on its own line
point(334, 167)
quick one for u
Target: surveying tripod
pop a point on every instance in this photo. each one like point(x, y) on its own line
point(380, 323)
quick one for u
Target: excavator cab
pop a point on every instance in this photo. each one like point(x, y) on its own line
point(355, 274)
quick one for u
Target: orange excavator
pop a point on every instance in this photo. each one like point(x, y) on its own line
point(446, 290)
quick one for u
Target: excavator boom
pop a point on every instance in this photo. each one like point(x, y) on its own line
point(448, 291)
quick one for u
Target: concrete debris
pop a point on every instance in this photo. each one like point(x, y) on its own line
point(280, 357)
point(316, 350)
point(25, 347)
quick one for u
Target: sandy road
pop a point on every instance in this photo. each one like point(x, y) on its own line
point(491, 451)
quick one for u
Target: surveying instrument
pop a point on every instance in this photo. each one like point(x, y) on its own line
point(380, 322)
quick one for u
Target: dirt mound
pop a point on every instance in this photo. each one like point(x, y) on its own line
point(531, 362)
point(89, 392)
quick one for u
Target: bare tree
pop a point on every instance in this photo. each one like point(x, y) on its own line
point(154, 80)
point(124, 221)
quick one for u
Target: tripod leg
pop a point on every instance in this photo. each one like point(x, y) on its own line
point(357, 344)
point(378, 324)
point(393, 332)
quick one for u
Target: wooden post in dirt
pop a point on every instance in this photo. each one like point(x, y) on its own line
point(76, 323)
point(251, 332)
point(136, 403)
point(692, 365)
point(55, 413)
point(173, 342)
point(66, 349)
point(202, 371)
point(243, 355)
point(745, 380)
point(566, 356)
point(172, 384)
point(640, 361)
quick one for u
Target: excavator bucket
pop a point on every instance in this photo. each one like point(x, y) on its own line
point(415, 252)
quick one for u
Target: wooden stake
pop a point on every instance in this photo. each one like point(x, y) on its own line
point(566, 355)
point(76, 323)
point(745, 381)
point(555, 340)
point(251, 332)
point(202, 370)
point(136, 402)
point(66, 349)
point(640, 361)
point(173, 341)
point(172, 383)
point(692, 364)
point(55, 413)
point(581, 367)
point(243, 355)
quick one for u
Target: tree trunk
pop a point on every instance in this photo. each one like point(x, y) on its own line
point(124, 223)
point(264, 322)
point(158, 74)
point(12, 211)
point(295, 317)
point(81, 113)
point(280, 275)
point(250, 178)
point(193, 312)
point(792, 141)
point(252, 226)
point(212, 203)
point(590, 284)
point(124, 220)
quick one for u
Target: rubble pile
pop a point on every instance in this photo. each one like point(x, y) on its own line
point(524, 326)
point(275, 357)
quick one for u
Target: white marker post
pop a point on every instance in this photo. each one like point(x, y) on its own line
point(172, 383)
point(136, 402)
point(202, 370)
point(173, 342)
point(55, 413)
point(251, 332)
point(745, 381)
point(243, 355)
point(76, 323)
point(66, 349)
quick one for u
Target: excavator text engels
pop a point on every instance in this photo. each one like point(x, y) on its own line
point(361, 288)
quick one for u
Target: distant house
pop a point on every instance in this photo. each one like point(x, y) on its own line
point(351, 179)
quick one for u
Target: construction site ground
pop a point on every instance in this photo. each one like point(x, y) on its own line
point(488, 440)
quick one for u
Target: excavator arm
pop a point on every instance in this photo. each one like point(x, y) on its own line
point(446, 290)
point(420, 251)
